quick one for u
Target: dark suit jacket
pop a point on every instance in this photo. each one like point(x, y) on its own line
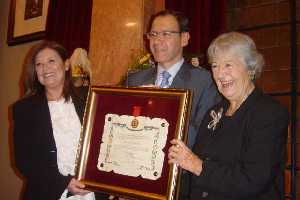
point(35, 149)
point(244, 157)
point(198, 80)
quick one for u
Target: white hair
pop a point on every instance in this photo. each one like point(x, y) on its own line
point(240, 45)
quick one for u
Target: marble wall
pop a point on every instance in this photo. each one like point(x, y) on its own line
point(117, 36)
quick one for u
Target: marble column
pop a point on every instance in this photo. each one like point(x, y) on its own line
point(117, 36)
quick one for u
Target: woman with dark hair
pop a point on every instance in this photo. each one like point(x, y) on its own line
point(47, 124)
point(240, 150)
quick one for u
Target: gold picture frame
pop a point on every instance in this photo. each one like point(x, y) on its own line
point(173, 105)
point(26, 21)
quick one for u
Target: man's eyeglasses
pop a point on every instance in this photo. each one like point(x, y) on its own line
point(163, 34)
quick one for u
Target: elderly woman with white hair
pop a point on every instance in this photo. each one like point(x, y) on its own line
point(240, 150)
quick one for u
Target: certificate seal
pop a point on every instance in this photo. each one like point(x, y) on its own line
point(134, 123)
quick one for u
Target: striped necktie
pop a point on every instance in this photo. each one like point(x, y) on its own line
point(164, 79)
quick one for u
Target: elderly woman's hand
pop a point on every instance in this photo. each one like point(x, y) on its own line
point(180, 154)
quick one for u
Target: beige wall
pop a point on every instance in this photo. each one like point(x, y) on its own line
point(11, 59)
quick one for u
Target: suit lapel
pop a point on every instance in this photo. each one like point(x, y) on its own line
point(79, 106)
point(150, 77)
point(182, 77)
point(41, 105)
point(42, 115)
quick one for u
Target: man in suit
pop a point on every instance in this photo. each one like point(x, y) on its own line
point(167, 37)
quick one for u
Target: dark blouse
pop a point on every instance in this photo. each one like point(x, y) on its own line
point(244, 155)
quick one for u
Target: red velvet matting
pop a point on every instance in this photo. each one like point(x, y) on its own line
point(151, 106)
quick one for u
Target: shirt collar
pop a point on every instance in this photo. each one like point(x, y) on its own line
point(172, 70)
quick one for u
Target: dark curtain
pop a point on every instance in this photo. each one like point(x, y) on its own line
point(69, 23)
point(206, 21)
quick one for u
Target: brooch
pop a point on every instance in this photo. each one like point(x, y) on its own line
point(215, 119)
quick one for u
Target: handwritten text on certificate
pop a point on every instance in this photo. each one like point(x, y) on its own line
point(133, 146)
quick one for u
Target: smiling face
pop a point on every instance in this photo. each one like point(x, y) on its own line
point(167, 50)
point(50, 69)
point(231, 76)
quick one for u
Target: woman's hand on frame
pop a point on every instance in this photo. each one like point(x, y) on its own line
point(181, 155)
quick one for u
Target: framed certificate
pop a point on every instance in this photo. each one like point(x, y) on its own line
point(125, 139)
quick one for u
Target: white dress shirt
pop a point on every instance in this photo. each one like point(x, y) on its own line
point(172, 70)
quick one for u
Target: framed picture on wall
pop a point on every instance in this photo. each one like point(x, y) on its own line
point(125, 139)
point(26, 21)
